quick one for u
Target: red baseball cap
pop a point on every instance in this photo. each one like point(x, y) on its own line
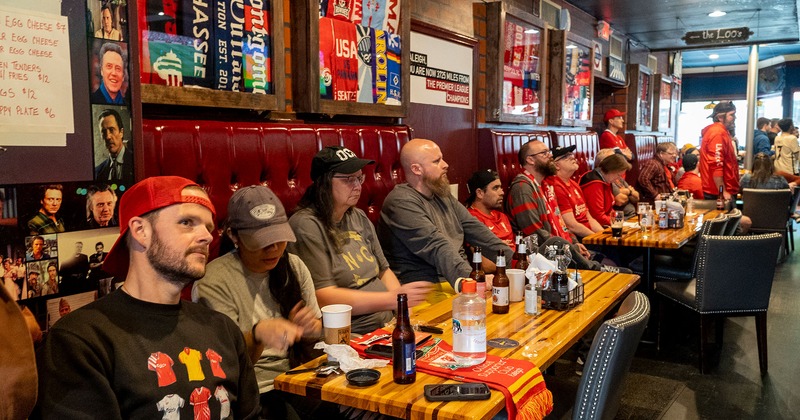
point(612, 113)
point(143, 197)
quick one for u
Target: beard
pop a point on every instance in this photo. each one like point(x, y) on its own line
point(439, 186)
point(172, 264)
point(546, 168)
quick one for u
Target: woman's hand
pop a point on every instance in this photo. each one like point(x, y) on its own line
point(304, 318)
point(277, 334)
point(416, 291)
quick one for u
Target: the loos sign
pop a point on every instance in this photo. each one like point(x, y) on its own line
point(718, 36)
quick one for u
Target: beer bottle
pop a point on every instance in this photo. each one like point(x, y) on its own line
point(522, 256)
point(404, 363)
point(514, 258)
point(477, 273)
point(720, 199)
point(500, 286)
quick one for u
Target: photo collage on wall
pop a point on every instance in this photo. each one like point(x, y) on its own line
point(521, 71)
point(577, 102)
point(54, 237)
point(360, 51)
point(222, 45)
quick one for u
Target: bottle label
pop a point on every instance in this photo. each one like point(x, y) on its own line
point(501, 261)
point(469, 335)
point(409, 358)
point(500, 296)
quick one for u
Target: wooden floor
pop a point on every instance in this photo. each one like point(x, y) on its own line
point(734, 389)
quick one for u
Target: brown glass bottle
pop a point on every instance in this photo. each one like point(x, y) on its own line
point(500, 286)
point(477, 273)
point(522, 256)
point(721, 199)
point(404, 362)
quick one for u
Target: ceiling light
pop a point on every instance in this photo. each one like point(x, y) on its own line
point(571, 46)
point(717, 13)
point(713, 56)
point(531, 31)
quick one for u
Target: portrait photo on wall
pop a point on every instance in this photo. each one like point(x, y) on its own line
point(11, 245)
point(108, 67)
point(59, 307)
point(107, 19)
point(41, 247)
point(113, 146)
point(13, 276)
point(81, 261)
point(42, 278)
point(52, 208)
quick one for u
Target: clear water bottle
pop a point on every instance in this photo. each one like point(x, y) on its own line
point(469, 326)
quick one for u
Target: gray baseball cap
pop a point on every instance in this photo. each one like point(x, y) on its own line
point(259, 218)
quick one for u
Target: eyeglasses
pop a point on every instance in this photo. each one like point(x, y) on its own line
point(353, 180)
point(569, 156)
point(544, 152)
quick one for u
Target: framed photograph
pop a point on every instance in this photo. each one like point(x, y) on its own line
point(663, 93)
point(641, 102)
point(571, 80)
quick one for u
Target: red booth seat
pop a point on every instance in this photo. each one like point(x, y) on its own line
point(498, 150)
point(224, 156)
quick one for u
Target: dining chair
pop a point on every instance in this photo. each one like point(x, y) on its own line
point(680, 264)
point(733, 278)
point(734, 217)
point(610, 359)
point(769, 211)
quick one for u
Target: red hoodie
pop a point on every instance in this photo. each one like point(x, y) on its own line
point(717, 158)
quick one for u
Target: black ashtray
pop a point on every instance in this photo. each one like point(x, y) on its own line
point(363, 377)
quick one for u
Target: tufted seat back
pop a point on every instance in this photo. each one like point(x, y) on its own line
point(499, 150)
point(224, 156)
point(586, 143)
point(643, 147)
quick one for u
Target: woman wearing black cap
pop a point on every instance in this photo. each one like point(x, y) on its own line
point(338, 243)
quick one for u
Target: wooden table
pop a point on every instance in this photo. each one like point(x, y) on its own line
point(542, 340)
point(658, 239)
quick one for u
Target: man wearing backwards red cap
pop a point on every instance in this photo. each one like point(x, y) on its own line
point(142, 352)
point(611, 138)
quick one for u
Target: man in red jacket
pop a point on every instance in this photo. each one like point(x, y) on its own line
point(719, 167)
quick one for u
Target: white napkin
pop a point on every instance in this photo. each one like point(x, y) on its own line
point(539, 269)
point(348, 357)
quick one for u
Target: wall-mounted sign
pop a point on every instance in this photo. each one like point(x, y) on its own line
point(597, 61)
point(616, 70)
point(441, 72)
point(604, 30)
point(718, 36)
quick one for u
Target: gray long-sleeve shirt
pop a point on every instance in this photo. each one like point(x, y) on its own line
point(423, 237)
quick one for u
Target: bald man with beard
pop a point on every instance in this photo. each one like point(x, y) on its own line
point(422, 227)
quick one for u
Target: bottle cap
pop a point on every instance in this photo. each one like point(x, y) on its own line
point(469, 286)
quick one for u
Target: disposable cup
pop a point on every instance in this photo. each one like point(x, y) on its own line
point(516, 284)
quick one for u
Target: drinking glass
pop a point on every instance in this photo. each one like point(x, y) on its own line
point(617, 224)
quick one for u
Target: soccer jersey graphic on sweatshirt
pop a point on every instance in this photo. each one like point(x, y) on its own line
point(191, 358)
point(214, 359)
point(199, 400)
point(171, 406)
point(161, 364)
point(221, 394)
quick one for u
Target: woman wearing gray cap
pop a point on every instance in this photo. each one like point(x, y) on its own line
point(338, 243)
point(267, 292)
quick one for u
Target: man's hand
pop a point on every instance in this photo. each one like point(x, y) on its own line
point(416, 291)
point(582, 249)
point(726, 196)
point(304, 318)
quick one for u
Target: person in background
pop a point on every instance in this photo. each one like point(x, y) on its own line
point(612, 136)
point(63, 308)
point(119, 165)
point(10, 280)
point(773, 131)
point(569, 195)
point(96, 261)
point(597, 190)
point(107, 29)
point(763, 175)
point(690, 181)
point(625, 196)
point(655, 176)
point(74, 271)
point(47, 219)
point(534, 210)
point(113, 69)
point(141, 351)
point(423, 228)
point(100, 203)
point(269, 295)
point(761, 143)
point(34, 288)
point(338, 243)
point(485, 202)
point(687, 149)
point(719, 166)
point(787, 150)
